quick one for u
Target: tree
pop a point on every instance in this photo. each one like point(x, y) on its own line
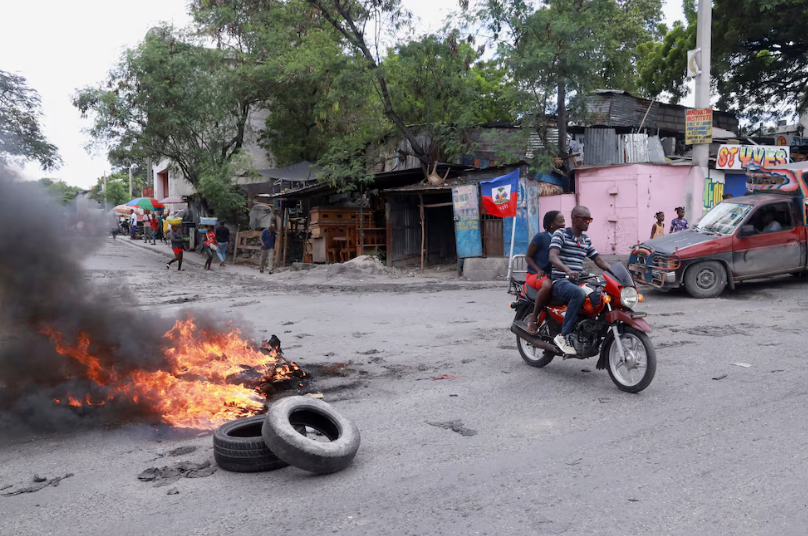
point(663, 64)
point(761, 56)
point(21, 137)
point(562, 48)
point(171, 97)
point(117, 188)
point(59, 190)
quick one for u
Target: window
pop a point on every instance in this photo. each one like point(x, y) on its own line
point(772, 218)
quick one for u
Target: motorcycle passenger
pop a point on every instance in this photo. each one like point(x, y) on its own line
point(538, 264)
point(568, 249)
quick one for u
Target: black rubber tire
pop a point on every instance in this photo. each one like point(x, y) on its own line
point(706, 279)
point(543, 361)
point(650, 354)
point(305, 453)
point(239, 447)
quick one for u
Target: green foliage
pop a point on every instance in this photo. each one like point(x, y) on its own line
point(760, 56)
point(216, 186)
point(21, 137)
point(171, 97)
point(662, 64)
point(117, 189)
point(59, 190)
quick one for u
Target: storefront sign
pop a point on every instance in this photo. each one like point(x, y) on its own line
point(699, 126)
point(467, 221)
point(791, 141)
point(739, 157)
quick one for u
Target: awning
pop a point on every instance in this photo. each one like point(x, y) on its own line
point(300, 172)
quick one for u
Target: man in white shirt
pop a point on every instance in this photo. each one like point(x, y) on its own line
point(770, 224)
point(133, 225)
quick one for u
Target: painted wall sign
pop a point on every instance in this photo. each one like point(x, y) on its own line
point(698, 126)
point(792, 141)
point(784, 180)
point(739, 157)
point(466, 205)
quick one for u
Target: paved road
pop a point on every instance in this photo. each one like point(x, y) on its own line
point(557, 451)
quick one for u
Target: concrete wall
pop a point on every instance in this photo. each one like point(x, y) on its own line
point(565, 203)
point(624, 199)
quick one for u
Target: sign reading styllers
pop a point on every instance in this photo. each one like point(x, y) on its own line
point(739, 157)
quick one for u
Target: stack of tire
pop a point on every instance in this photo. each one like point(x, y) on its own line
point(279, 439)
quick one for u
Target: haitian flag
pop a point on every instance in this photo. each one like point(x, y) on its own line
point(500, 195)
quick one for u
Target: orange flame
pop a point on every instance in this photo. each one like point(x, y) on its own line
point(192, 392)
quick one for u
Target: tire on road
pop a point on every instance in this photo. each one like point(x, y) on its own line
point(239, 447)
point(706, 279)
point(281, 436)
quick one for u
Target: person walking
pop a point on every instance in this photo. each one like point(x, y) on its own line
point(268, 248)
point(679, 223)
point(153, 229)
point(222, 239)
point(160, 233)
point(210, 246)
point(177, 243)
point(133, 225)
point(658, 229)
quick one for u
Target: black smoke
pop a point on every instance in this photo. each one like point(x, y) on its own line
point(43, 286)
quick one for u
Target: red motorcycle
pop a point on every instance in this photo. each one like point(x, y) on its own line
point(607, 325)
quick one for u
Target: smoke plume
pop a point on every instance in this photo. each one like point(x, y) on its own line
point(43, 287)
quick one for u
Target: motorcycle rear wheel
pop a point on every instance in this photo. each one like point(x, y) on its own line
point(535, 357)
point(639, 347)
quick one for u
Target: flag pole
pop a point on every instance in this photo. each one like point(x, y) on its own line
point(510, 256)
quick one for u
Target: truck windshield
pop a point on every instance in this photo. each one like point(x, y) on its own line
point(724, 218)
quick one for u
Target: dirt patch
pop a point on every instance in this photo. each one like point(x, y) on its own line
point(718, 331)
point(663, 345)
point(163, 476)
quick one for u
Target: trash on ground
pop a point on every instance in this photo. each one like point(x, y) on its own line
point(173, 491)
point(720, 377)
point(39, 483)
point(163, 476)
point(182, 451)
point(744, 365)
point(318, 396)
point(444, 377)
point(454, 426)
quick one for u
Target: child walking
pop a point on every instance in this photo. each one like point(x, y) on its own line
point(658, 229)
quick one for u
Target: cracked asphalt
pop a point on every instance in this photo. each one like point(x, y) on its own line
point(554, 451)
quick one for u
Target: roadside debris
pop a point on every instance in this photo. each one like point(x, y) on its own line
point(720, 377)
point(318, 396)
point(39, 483)
point(370, 352)
point(444, 377)
point(182, 451)
point(173, 491)
point(454, 426)
point(163, 476)
point(744, 365)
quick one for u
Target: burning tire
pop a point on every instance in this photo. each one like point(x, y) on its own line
point(304, 451)
point(239, 447)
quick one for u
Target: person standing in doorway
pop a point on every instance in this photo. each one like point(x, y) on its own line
point(679, 223)
point(268, 248)
point(177, 244)
point(658, 229)
point(222, 239)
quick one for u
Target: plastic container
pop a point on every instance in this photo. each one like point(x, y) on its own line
point(174, 221)
point(207, 221)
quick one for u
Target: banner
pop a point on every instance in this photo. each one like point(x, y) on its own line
point(739, 157)
point(698, 126)
point(467, 221)
point(501, 195)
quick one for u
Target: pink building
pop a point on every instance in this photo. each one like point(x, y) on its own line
point(624, 199)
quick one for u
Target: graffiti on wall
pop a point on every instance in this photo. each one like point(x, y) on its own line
point(772, 179)
point(713, 192)
point(742, 156)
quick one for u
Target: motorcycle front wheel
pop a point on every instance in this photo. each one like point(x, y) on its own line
point(638, 370)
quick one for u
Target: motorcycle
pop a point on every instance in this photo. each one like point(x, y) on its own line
point(607, 326)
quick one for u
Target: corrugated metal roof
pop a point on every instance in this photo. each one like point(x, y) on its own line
point(600, 146)
point(620, 110)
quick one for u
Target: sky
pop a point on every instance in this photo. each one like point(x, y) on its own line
point(62, 46)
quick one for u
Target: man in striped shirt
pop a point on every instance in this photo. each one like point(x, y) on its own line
point(568, 248)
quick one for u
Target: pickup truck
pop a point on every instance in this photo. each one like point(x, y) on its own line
point(761, 234)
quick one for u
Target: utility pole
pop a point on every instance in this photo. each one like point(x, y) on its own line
point(701, 152)
point(105, 192)
point(130, 180)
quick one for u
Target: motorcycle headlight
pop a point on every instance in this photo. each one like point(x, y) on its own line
point(629, 297)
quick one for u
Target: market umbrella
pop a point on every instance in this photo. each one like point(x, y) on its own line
point(123, 209)
point(173, 200)
point(147, 203)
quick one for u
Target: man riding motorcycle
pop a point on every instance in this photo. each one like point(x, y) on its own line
point(568, 249)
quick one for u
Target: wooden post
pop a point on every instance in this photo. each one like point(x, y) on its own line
point(285, 234)
point(423, 231)
point(388, 223)
point(235, 248)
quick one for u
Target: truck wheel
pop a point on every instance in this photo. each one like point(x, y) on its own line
point(706, 279)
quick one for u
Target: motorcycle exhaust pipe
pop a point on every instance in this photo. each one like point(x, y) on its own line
point(520, 331)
